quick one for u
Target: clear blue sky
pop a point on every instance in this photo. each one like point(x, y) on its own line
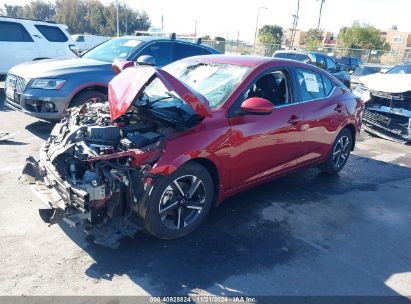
point(219, 17)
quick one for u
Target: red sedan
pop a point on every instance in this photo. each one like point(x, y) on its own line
point(174, 141)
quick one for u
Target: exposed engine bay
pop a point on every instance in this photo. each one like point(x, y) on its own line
point(93, 170)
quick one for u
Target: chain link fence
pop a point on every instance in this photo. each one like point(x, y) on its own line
point(389, 58)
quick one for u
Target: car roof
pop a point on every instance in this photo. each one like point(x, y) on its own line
point(292, 52)
point(232, 59)
point(158, 38)
point(245, 60)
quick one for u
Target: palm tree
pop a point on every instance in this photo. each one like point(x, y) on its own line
point(319, 17)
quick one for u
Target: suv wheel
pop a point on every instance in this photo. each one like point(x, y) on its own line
point(87, 96)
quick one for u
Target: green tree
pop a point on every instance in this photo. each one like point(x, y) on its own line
point(361, 36)
point(271, 34)
point(39, 10)
point(313, 38)
point(83, 16)
point(15, 11)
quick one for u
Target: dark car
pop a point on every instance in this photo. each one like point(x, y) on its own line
point(45, 88)
point(322, 61)
point(350, 63)
point(365, 70)
point(172, 142)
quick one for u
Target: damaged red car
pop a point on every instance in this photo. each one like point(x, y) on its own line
point(172, 142)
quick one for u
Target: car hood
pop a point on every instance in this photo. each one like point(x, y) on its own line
point(58, 67)
point(389, 83)
point(130, 83)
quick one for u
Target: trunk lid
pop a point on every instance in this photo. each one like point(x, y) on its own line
point(131, 82)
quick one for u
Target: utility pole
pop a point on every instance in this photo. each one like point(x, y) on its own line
point(256, 24)
point(238, 36)
point(126, 11)
point(319, 17)
point(295, 22)
point(195, 28)
point(118, 26)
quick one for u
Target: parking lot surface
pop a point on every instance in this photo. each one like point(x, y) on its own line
point(304, 234)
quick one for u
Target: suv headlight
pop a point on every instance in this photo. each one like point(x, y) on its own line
point(47, 84)
point(362, 92)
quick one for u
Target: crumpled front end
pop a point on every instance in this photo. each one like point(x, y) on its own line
point(388, 115)
point(93, 173)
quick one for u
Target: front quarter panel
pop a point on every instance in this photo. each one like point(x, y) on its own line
point(208, 140)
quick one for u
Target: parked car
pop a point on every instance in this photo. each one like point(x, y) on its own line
point(322, 61)
point(87, 42)
point(388, 103)
point(45, 89)
point(24, 40)
point(350, 63)
point(172, 142)
point(365, 70)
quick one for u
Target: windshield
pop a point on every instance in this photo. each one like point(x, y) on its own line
point(120, 48)
point(400, 69)
point(212, 80)
point(363, 70)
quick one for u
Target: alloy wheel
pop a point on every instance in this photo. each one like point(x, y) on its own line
point(341, 152)
point(182, 202)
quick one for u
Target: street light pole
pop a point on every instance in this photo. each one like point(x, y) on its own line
point(319, 17)
point(118, 27)
point(256, 24)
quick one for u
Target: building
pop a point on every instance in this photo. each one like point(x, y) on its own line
point(399, 41)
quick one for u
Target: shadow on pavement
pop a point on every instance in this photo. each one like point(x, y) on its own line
point(40, 129)
point(235, 239)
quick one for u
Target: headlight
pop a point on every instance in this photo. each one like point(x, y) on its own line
point(47, 84)
point(362, 92)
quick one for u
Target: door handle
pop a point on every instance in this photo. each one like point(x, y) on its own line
point(294, 119)
point(338, 108)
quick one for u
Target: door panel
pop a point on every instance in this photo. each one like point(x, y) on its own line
point(262, 145)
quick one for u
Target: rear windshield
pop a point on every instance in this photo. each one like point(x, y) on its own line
point(292, 56)
point(52, 33)
point(362, 71)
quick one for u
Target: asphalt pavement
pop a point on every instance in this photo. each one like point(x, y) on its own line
point(304, 234)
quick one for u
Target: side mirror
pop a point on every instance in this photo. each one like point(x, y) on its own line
point(120, 65)
point(257, 105)
point(146, 60)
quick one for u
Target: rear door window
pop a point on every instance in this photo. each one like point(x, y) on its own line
point(331, 66)
point(161, 51)
point(320, 61)
point(52, 33)
point(311, 86)
point(12, 31)
point(188, 50)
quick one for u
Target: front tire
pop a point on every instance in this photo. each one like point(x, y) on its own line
point(179, 202)
point(339, 153)
point(87, 96)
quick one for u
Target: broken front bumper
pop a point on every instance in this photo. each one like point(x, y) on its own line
point(70, 204)
point(390, 126)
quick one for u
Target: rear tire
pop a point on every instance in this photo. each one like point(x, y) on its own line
point(339, 153)
point(179, 202)
point(87, 96)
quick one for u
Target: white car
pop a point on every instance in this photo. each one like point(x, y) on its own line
point(87, 42)
point(24, 40)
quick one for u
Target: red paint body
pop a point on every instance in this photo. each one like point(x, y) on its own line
point(247, 149)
